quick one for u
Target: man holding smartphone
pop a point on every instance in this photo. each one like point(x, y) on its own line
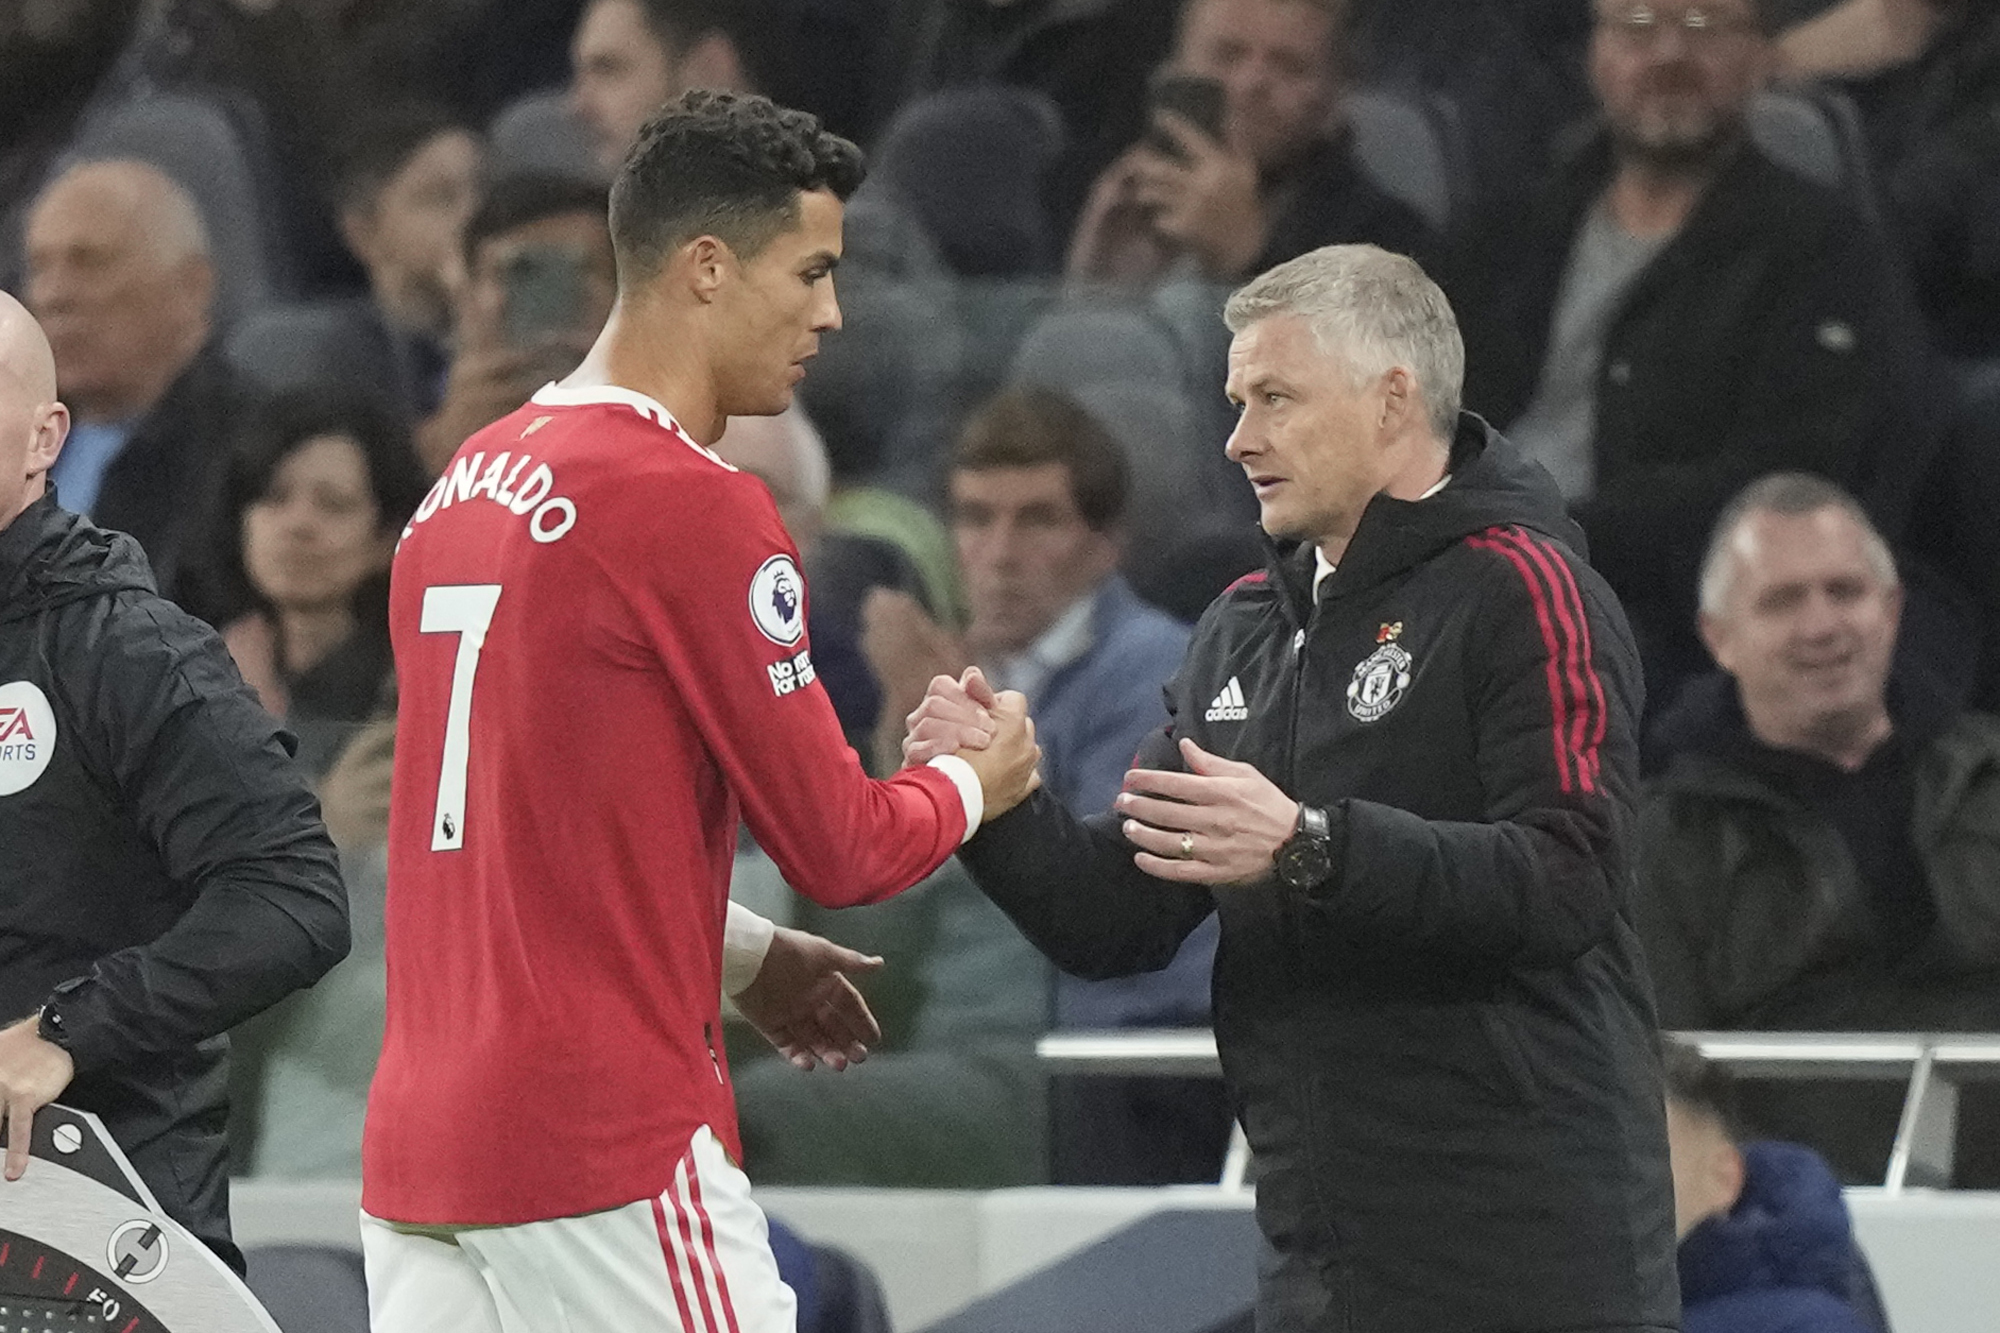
point(540, 280)
point(1239, 170)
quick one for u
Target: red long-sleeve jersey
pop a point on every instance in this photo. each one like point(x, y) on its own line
point(602, 667)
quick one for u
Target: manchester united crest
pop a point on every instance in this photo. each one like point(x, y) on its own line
point(1381, 677)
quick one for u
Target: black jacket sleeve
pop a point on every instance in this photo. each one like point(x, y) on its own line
point(207, 775)
point(1542, 879)
point(1072, 888)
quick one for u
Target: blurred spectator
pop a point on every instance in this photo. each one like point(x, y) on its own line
point(786, 453)
point(267, 66)
point(119, 276)
point(473, 55)
point(1509, 71)
point(631, 57)
point(52, 55)
point(1823, 851)
point(1676, 314)
point(1766, 1245)
point(1926, 77)
point(409, 181)
point(1090, 58)
point(1038, 491)
point(1275, 183)
point(540, 281)
point(316, 491)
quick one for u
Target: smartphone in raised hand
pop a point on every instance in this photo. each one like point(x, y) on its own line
point(1193, 98)
point(547, 292)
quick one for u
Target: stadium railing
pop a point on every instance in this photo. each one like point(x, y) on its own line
point(1932, 1065)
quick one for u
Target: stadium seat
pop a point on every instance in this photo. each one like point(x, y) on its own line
point(1817, 133)
point(315, 344)
point(850, 1298)
point(966, 163)
point(1088, 342)
point(310, 1288)
point(193, 141)
point(539, 134)
point(1403, 146)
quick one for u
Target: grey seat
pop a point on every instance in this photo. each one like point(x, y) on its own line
point(310, 1288)
point(314, 344)
point(1795, 130)
point(193, 142)
point(1079, 343)
point(1402, 146)
point(540, 134)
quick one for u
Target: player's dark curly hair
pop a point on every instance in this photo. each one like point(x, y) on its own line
point(728, 165)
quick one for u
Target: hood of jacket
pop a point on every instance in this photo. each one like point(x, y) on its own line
point(49, 557)
point(1493, 484)
point(1788, 1230)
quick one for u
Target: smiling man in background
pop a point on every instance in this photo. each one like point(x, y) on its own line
point(1823, 849)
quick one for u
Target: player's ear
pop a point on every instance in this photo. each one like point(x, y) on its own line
point(706, 261)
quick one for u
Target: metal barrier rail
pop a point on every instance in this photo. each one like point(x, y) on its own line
point(1932, 1064)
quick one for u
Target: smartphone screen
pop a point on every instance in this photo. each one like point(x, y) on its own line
point(1191, 97)
point(547, 291)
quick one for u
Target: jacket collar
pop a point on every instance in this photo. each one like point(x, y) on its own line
point(49, 556)
point(1493, 484)
point(32, 534)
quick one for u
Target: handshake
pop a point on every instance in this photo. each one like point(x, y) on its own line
point(991, 732)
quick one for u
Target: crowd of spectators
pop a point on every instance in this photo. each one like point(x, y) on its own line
point(289, 253)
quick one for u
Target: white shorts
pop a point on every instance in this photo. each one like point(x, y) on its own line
point(697, 1259)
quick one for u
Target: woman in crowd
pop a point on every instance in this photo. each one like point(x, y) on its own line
point(317, 489)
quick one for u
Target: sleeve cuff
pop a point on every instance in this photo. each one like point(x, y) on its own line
point(969, 791)
point(746, 938)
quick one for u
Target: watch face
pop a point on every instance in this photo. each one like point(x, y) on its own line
point(1304, 863)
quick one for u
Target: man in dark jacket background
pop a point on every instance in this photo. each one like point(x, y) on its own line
point(167, 872)
point(1401, 765)
point(1822, 851)
point(1675, 313)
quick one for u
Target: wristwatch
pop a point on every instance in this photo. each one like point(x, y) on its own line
point(1305, 860)
point(49, 1025)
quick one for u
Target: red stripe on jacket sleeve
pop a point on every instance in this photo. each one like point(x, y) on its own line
point(1552, 582)
point(1596, 683)
point(1539, 598)
point(1587, 692)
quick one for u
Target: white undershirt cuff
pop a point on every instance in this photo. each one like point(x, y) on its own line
point(969, 791)
point(746, 938)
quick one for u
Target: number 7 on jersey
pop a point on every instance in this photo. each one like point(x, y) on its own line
point(465, 610)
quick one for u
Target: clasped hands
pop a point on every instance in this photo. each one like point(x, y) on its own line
point(1221, 822)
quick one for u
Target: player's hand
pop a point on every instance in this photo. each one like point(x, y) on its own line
point(1206, 202)
point(33, 1073)
point(1221, 822)
point(1009, 769)
point(803, 1003)
point(955, 715)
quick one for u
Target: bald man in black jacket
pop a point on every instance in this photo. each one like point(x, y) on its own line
point(167, 874)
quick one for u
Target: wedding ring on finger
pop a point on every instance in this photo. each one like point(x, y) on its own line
point(1187, 846)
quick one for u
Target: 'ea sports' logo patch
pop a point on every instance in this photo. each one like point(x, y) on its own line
point(27, 735)
point(778, 601)
point(1381, 677)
